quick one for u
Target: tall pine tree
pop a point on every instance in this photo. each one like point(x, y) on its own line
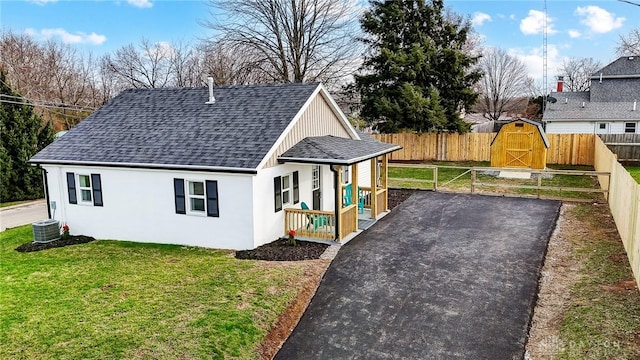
point(416, 75)
point(22, 134)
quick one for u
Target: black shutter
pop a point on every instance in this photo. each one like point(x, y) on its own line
point(212, 198)
point(178, 188)
point(71, 188)
point(277, 190)
point(296, 191)
point(96, 186)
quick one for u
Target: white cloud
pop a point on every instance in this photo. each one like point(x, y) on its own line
point(140, 3)
point(479, 18)
point(42, 2)
point(67, 37)
point(533, 60)
point(534, 23)
point(512, 16)
point(574, 33)
point(598, 19)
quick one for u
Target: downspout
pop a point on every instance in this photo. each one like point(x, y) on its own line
point(335, 204)
point(46, 191)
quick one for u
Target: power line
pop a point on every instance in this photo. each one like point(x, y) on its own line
point(38, 105)
point(630, 2)
point(50, 104)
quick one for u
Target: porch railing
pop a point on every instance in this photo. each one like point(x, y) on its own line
point(311, 224)
point(381, 201)
point(348, 220)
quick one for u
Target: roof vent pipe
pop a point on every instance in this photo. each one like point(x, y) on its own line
point(566, 100)
point(583, 104)
point(600, 77)
point(211, 98)
point(634, 105)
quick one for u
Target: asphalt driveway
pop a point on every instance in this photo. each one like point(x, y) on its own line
point(444, 276)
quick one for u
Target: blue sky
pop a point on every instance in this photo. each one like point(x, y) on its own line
point(576, 28)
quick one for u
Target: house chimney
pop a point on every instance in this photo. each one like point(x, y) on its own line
point(560, 83)
point(211, 98)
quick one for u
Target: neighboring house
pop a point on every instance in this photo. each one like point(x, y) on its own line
point(222, 168)
point(610, 107)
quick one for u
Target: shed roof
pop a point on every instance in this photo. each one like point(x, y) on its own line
point(543, 135)
point(569, 108)
point(175, 127)
point(336, 150)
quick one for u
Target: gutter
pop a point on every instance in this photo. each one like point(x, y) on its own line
point(149, 166)
point(335, 205)
point(46, 192)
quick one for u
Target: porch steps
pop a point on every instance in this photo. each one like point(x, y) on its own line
point(365, 224)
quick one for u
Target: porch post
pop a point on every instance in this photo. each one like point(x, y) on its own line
point(355, 194)
point(374, 187)
point(383, 180)
point(338, 201)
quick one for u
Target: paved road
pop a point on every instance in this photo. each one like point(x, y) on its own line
point(444, 276)
point(22, 214)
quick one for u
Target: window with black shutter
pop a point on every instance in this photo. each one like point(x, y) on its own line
point(96, 187)
point(296, 189)
point(71, 188)
point(277, 191)
point(212, 198)
point(178, 188)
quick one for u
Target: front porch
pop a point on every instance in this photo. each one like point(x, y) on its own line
point(358, 210)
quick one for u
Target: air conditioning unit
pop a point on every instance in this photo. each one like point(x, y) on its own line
point(46, 230)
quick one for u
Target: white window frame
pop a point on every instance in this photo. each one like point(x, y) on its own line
point(288, 189)
point(189, 196)
point(315, 177)
point(635, 127)
point(81, 188)
point(346, 179)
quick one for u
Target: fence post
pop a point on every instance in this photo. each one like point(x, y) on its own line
point(539, 183)
point(473, 179)
point(435, 178)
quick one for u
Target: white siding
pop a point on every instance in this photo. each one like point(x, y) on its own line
point(139, 205)
point(269, 224)
point(570, 127)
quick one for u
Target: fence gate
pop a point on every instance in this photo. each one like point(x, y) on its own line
point(519, 149)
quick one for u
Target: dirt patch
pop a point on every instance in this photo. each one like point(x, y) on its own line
point(290, 317)
point(281, 250)
point(559, 273)
point(621, 286)
point(72, 240)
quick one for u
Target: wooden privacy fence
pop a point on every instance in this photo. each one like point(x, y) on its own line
point(564, 149)
point(624, 202)
point(625, 146)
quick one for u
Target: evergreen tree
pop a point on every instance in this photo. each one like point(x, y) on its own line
point(417, 74)
point(22, 134)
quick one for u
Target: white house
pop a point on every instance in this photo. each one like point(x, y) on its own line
point(609, 107)
point(222, 168)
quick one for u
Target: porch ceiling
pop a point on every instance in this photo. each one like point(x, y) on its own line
point(335, 150)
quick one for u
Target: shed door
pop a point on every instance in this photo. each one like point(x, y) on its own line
point(519, 149)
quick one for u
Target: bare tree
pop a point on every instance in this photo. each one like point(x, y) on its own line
point(577, 73)
point(145, 65)
point(290, 41)
point(629, 45)
point(504, 80)
point(55, 77)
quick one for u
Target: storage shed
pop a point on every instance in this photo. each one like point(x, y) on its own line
point(521, 143)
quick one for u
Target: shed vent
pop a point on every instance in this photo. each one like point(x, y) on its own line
point(46, 230)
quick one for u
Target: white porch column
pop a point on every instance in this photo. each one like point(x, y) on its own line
point(355, 194)
point(374, 187)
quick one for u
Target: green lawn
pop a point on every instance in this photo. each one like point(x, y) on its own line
point(634, 171)
point(603, 319)
point(11, 203)
point(111, 299)
point(398, 177)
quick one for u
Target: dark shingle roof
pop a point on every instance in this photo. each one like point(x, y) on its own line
point(174, 127)
point(336, 150)
point(569, 107)
point(626, 65)
point(543, 135)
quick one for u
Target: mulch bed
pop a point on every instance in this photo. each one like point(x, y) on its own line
point(72, 240)
point(397, 196)
point(280, 250)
